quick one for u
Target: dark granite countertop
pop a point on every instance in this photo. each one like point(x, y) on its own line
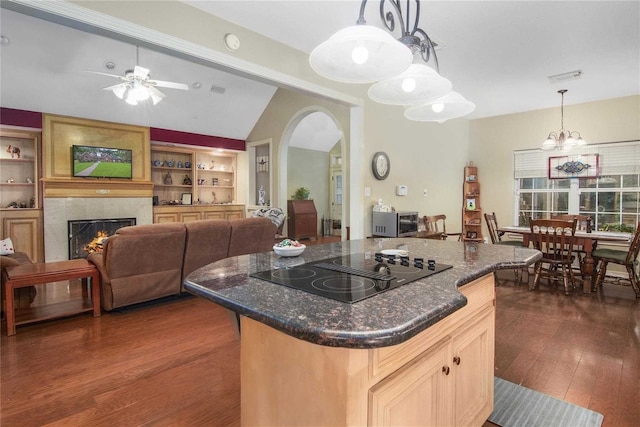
point(386, 319)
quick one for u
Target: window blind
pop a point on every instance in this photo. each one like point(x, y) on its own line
point(614, 159)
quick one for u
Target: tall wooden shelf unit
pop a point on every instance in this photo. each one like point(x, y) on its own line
point(20, 195)
point(471, 210)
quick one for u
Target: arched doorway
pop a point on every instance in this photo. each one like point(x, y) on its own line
point(311, 153)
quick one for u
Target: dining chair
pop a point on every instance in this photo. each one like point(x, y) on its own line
point(496, 239)
point(628, 258)
point(583, 224)
point(554, 238)
point(437, 224)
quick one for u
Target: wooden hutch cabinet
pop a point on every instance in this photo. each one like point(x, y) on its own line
point(302, 219)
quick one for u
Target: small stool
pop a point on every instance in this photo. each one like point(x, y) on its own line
point(20, 276)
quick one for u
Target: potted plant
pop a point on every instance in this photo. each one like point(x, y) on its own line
point(301, 193)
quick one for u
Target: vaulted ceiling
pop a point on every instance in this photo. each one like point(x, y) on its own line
point(498, 54)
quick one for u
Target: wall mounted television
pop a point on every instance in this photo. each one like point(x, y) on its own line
point(101, 162)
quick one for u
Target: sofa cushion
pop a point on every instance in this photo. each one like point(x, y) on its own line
point(207, 242)
point(251, 235)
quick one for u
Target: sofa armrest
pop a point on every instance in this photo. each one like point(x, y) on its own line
point(97, 259)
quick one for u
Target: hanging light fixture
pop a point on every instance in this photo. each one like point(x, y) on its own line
point(449, 106)
point(564, 139)
point(365, 54)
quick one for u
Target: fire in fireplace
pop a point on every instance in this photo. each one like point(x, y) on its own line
point(88, 235)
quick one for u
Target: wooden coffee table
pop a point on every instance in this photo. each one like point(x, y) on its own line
point(21, 276)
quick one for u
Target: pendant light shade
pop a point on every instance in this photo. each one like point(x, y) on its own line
point(418, 84)
point(360, 54)
point(563, 139)
point(447, 107)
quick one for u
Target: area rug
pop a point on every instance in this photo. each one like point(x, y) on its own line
point(517, 406)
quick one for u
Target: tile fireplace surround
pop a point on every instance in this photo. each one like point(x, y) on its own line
point(57, 211)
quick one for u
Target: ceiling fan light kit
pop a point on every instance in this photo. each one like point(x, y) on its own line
point(367, 54)
point(138, 86)
point(564, 139)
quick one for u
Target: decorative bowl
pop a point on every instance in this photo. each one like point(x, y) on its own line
point(289, 250)
point(158, 163)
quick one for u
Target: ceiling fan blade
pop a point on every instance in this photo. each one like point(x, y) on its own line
point(156, 95)
point(104, 74)
point(140, 72)
point(114, 86)
point(171, 85)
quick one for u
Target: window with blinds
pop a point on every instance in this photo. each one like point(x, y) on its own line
point(612, 199)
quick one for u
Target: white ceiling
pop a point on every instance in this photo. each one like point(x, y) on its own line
point(498, 54)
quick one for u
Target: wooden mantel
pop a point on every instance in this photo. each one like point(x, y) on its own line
point(96, 188)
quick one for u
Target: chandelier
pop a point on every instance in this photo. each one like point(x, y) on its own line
point(399, 68)
point(564, 140)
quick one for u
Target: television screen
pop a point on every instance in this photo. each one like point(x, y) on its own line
point(101, 162)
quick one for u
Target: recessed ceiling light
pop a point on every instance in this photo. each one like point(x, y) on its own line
point(4, 40)
point(196, 85)
point(109, 65)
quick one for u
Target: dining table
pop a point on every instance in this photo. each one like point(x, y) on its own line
point(588, 241)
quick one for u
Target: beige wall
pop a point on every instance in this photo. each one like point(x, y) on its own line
point(493, 140)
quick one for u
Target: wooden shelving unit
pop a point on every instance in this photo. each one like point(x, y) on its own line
point(471, 208)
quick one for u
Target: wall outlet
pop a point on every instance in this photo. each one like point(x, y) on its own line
point(425, 193)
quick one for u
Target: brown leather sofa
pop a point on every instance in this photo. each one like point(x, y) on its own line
point(146, 262)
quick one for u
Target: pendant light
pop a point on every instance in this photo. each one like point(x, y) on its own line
point(564, 140)
point(447, 107)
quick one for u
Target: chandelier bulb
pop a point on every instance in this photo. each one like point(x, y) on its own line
point(360, 55)
point(409, 84)
point(438, 107)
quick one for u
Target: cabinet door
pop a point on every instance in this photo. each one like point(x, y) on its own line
point(189, 216)
point(472, 365)
point(417, 395)
point(26, 230)
point(165, 217)
point(214, 215)
point(234, 215)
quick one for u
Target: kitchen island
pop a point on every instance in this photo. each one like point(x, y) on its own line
point(420, 354)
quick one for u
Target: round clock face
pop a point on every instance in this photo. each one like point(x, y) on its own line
point(380, 165)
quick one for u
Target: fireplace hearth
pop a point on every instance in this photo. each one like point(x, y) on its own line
point(88, 235)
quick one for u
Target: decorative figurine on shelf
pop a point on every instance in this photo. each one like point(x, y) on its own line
point(168, 180)
point(186, 180)
point(15, 151)
point(29, 181)
point(261, 193)
point(201, 166)
point(215, 200)
point(170, 163)
point(187, 165)
point(32, 202)
point(11, 180)
point(213, 165)
point(179, 164)
point(215, 181)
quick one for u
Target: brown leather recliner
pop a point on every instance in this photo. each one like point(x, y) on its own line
point(141, 263)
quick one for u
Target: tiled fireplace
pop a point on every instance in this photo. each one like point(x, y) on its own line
point(58, 211)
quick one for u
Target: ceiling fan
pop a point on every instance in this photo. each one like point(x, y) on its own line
point(138, 86)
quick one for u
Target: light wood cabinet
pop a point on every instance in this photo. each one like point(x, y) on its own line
point(446, 385)
point(442, 376)
point(25, 227)
point(193, 213)
point(471, 211)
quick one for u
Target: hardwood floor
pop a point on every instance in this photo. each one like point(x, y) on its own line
point(176, 362)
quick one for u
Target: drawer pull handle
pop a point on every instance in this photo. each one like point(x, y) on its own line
point(456, 360)
point(445, 370)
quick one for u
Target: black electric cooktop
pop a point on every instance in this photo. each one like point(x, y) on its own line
point(352, 278)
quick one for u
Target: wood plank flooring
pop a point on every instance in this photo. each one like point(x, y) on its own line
point(176, 362)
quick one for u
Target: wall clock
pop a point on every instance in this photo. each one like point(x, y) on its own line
point(380, 165)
